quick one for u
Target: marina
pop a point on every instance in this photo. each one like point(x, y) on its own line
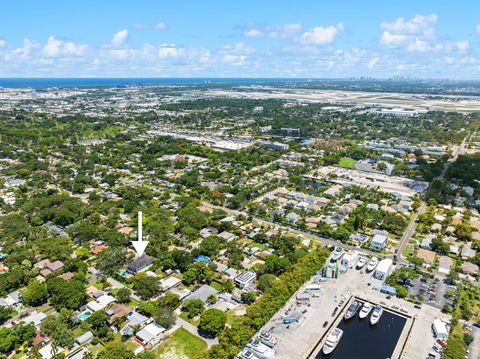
point(396, 335)
point(361, 340)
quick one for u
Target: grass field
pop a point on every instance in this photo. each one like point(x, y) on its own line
point(181, 344)
point(184, 316)
point(347, 162)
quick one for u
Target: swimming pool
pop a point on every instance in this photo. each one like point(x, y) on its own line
point(84, 316)
point(202, 259)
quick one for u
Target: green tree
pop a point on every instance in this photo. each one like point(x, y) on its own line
point(56, 327)
point(146, 286)
point(66, 294)
point(228, 286)
point(193, 307)
point(249, 297)
point(36, 293)
point(123, 295)
point(165, 317)
point(212, 321)
point(6, 313)
point(110, 260)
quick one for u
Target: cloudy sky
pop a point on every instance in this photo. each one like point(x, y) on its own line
point(240, 38)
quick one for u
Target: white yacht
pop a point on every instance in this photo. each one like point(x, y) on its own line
point(361, 262)
point(337, 253)
point(372, 264)
point(376, 314)
point(266, 338)
point(352, 310)
point(332, 340)
point(260, 350)
point(247, 354)
point(366, 309)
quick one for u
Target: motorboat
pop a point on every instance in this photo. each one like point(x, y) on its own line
point(337, 253)
point(376, 314)
point(361, 262)
point(352, 309)
point(366, 309)
point(247, 354)
point(372, 264)
point(260, 350)
point(332, 341)
point(266, 338)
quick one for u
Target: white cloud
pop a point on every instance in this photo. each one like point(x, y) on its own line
point(53, 47)
point(235, 60)
point(3, 43)
point(373, 61)
point(27, 49)
point(240, 48)
point(284, 31)
point(56, 47)
point(237, 54)
point(253, 33)
point(417, 35)
point(155, 26)
point(320, 35)
point(120, 38)
point(418, 25)
point(462, 45)
point(159, 25)
point(414, 33)
point(478, 28)
point(166, 51)
point(184, 55)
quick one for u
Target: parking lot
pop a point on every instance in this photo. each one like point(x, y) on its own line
point(430, 291)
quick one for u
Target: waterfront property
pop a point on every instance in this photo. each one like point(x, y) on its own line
point(361, 340)
point(304, 337)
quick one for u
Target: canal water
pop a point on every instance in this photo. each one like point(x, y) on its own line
point(360, 340)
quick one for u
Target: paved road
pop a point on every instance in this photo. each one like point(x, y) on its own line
point(412, 225)
point(458, 151)
point(409, 231)
point(475, 346)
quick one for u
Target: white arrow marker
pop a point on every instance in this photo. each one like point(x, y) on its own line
point(140, 245)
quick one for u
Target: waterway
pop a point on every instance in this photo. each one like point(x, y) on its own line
point(360, 340)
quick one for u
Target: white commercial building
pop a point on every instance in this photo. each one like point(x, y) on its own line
point(440, 329)
point(383, 269)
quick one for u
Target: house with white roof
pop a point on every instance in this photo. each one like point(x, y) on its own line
point(379, 241)
point(150, 334)
point(100, 303)
point(169, 282)
point(35, 318)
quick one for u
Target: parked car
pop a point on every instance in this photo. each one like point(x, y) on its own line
point(335, 311)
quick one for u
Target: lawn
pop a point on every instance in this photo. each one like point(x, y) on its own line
point(347, 162)
point(259, 245)
point(132, 344)
point(184, 316)
point(181, 344)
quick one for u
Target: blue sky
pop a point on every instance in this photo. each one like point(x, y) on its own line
point(424, 39)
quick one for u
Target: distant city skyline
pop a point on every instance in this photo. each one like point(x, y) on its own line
point(307, 39)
